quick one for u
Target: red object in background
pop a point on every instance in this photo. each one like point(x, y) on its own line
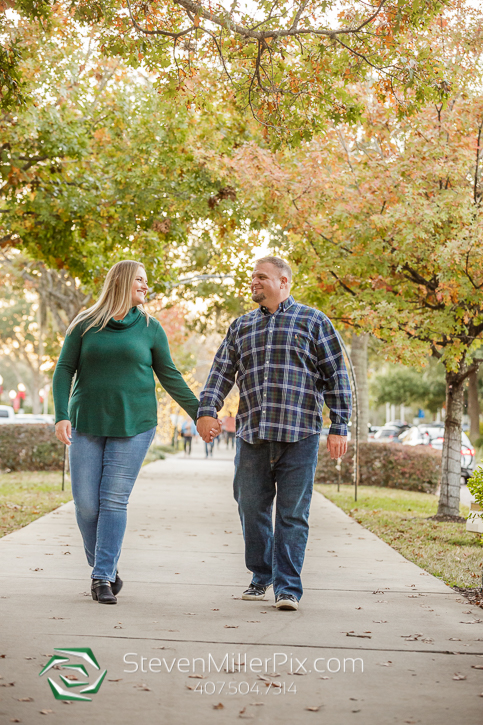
point(16, 402)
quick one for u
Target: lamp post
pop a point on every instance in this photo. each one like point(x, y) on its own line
point(1, 388)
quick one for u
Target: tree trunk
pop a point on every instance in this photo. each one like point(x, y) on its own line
point(449, 499)
point(473, 406)
point(359, 360)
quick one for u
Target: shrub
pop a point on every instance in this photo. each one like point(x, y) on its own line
point(411, 468)
point(30, 448)
point(155, 453)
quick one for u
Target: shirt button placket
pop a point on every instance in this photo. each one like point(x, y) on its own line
point(265, 375)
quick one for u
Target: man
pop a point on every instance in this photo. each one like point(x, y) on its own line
point(285, 358)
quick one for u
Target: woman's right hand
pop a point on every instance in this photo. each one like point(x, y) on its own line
point(63, 431)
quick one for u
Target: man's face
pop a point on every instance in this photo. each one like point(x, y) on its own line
point(266, 283)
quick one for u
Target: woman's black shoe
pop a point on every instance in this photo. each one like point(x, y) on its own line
point(101, 591)
point(117, 585)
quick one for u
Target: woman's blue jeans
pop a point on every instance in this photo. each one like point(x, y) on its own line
point(103, 472)
point(263, 469)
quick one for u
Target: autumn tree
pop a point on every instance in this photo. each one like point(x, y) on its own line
point(385, 223)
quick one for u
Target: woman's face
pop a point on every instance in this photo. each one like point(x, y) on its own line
point(139, 287)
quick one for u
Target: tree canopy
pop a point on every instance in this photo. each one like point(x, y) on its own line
point(290, 63)
point(99, 167)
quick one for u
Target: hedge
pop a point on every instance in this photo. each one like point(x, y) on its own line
point(30, 448)
point(410, 468)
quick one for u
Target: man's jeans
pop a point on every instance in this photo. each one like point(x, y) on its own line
point(103, 472)
point(261, 470)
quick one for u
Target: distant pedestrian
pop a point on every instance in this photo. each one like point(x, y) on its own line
point(110, 419)
point(287, 360)
point(188, 430)
point(209, 445)
point(229, 426)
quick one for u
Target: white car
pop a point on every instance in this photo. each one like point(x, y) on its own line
point(7, 414)
point(433, 436)
point(31, 418)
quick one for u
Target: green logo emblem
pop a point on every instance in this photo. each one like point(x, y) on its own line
point(70, 677)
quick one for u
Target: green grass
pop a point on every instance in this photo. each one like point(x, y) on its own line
point(27, 495)
point(400, 518)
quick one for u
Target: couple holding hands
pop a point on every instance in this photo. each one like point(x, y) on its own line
point(286, 360)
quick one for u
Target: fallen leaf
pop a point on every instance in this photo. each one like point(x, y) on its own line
point(118, 680)
point(363, 636)
point(25, 699)
point(385, 664)
point(46, 712)
point(457, 676)
point(231, 626)
point(7, 684)
point(477, 667)
point(197, 677)
point(313, 709)
point(220, 706)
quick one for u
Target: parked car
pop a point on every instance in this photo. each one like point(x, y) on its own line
point(7, 414)
point(433, 435)
point(390, 432)
point(31, 418)
point(372, 431)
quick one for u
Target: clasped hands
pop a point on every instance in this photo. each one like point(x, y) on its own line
point(208, 428)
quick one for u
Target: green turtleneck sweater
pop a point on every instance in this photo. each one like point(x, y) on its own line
point(114, 390)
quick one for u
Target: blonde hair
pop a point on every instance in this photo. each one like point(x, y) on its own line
point(115, 298)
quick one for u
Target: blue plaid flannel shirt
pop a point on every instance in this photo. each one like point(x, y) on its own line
point(285, 365)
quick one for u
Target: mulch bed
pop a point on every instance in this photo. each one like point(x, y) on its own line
point(474, 596)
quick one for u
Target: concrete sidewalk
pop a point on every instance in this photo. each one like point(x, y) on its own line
point(376, 640)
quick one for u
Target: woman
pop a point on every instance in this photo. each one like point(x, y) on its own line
point(109, 423)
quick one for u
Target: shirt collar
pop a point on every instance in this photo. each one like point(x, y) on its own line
point(283, 306)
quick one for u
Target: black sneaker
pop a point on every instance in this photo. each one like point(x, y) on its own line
point(286, 601)
point(255, 592)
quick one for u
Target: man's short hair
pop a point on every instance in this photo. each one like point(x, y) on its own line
point(281, 265)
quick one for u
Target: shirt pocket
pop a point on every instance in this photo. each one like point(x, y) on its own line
point(303, 348)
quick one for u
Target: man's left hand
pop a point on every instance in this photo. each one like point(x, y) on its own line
point(336, 445)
